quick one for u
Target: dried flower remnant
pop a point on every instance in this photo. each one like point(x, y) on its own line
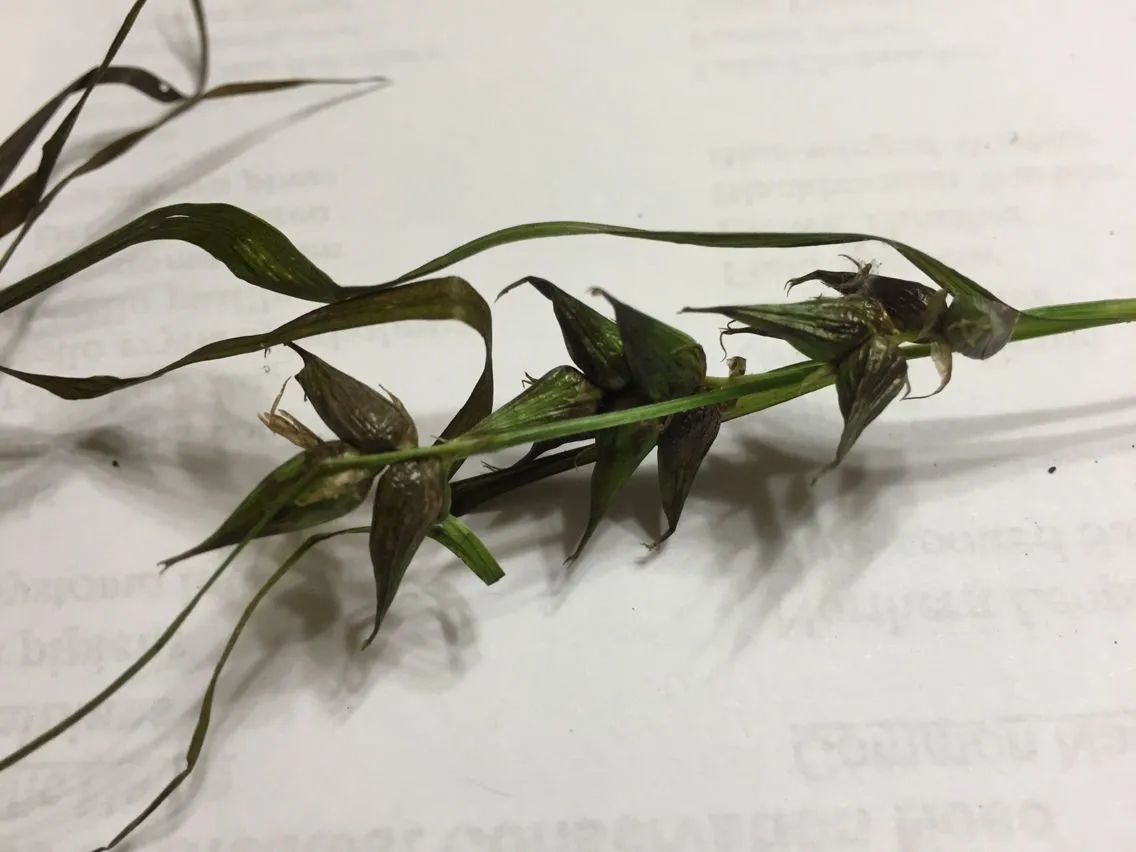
point(287, 426)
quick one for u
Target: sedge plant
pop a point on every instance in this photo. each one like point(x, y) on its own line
point(631, 384)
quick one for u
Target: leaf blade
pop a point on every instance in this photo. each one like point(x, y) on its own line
point(438, 299)
point(251, 248)
point(16, 146)
point(951, 280)
point(463, 543)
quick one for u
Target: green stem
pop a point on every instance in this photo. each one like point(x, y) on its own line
point(747, 394)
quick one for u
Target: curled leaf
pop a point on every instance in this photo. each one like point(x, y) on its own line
point(32, 193)
point(354, 411)
point(593, 341)
point(26, 202)
point(822, 329)
point(560, 394)
point(461, 541)
point(867, 381)
point(664, 362)
point(433, 299)
point(683, 445)
point(15, 147)
point(328, 498)
point(288, 427)
point(252, 249)
point(410, 498)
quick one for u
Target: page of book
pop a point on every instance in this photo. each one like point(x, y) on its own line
point(926, 649)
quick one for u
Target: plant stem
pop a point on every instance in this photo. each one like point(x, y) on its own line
point(747, 394)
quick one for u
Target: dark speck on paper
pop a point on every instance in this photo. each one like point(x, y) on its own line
point(114, 463)
point(1053, 469)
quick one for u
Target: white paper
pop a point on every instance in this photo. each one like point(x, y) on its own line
point(929, 650)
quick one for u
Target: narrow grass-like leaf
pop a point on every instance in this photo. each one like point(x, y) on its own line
point(16, 146)
point(592, 340)
point(53, 147)
point(286, 496)
point(354, 411)
point(327, 499)
point(683, 445)
point(461, 541)
point(249, 247)
point(19, 207)
point(26, 202)
point(205, 712)
point(410, 499)
point(432, 299)
point(664, 362)
point(949, 279)
point(619, 452)
point(867, 381)
point(821, 329)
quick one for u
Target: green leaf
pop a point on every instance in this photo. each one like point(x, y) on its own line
point(205, 713)
point(26, 202)
point(433, 299)
point(18, 204)
point(592, 340)
point(410, 499)
point(328, 498)
point(355, 412)
point(561, 393)
point(53, 148)
point(664, 362)
point(949, 279)
point(822, 329)
point(867, 381)
point(252, 249)
point(619, 452)
point(461, 541)
point(683, 445)
point(16, 146)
